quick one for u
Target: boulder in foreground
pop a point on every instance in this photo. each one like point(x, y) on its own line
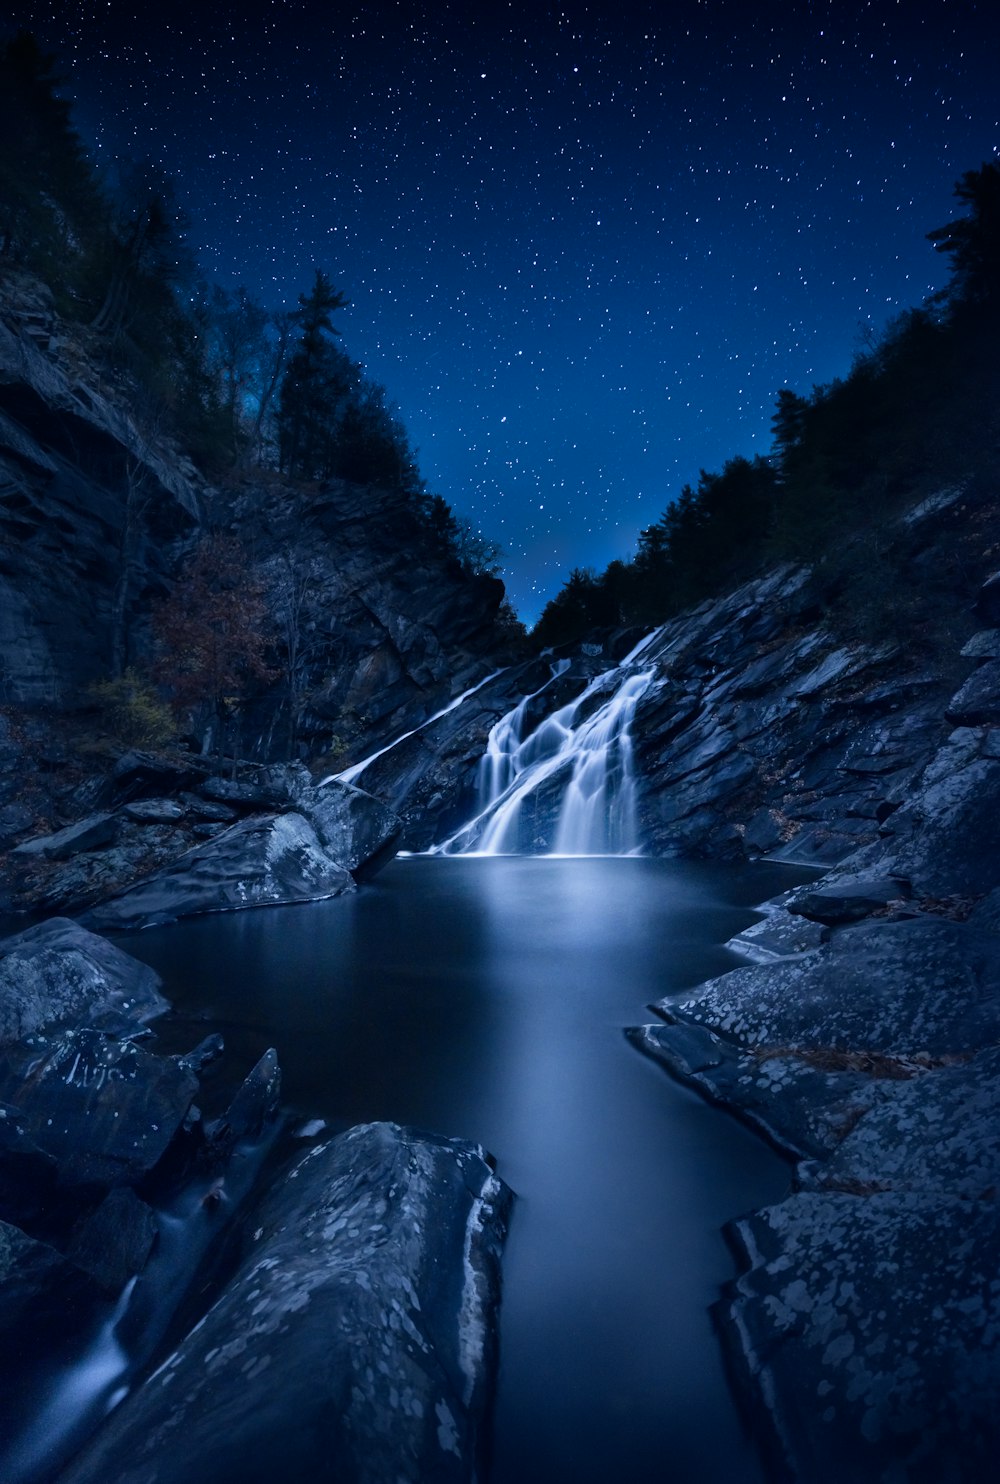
point(356, 1341)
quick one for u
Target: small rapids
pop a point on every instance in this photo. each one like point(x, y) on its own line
point(575, 765)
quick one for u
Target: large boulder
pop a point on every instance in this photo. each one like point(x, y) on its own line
point(355, 1342)
point(59, 974)
point(105, 1109)
point(354, 827)
point(263, 861)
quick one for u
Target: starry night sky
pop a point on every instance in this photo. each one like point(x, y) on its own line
point(584, 244)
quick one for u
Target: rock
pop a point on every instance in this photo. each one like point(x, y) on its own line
point(355, 828)
point(923, 985)
point(987, 608)
point(978, 701)
point(985, 645)
point(106, 1110)
point(936, 1133)
point(146, 775)
point(763, 832)
point(849, 901)
point(242, 794)
point(15, 819)
point(260, 862)
point(47, 1304)
point(867, 1327)
point(91, 833)
point(59, 974)
point(801, 1107)
point(154, 811)
point(356, 1340)
point(254, 1105)
point(208, 809)
point(115, 1240)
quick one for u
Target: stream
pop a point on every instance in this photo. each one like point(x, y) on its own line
point(486, 997)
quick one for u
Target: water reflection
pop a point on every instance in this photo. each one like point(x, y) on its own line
point(486, 998)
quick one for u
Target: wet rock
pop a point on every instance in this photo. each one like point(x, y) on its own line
point(208, 809)
point(254, 1105)
point(985, 645)
point(763, 832)
point(868, 1332)
point(105, 1110)
point(778, 934)
point(148, 775)
point(27, 1173)
point(59, 974)
point(356, 1341)
point(262, 861)
point(114, 1242)
point(92, 833)
point(45, 1301)
point(354, 827)
point(803, 1107)
point(987, 608)
point(15, 819)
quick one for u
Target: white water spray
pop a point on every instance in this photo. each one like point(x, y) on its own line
point(353, 773)
point(582, 753)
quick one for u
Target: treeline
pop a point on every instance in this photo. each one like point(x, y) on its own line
point(242, 388)
point(920, 407)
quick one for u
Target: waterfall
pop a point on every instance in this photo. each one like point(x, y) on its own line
point(567, 780)
point(352, 774)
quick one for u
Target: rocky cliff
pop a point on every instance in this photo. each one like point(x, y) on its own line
point(99, 511)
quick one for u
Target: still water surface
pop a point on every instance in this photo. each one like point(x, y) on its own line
point(486, 998)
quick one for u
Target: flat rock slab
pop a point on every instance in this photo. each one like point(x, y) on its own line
point(58, 974)
point(802, 1108)
point(922, 985)
point(937, 1132)
point(870, 1327)
point(355, 1343)
point(92, 833)
point(261, 862)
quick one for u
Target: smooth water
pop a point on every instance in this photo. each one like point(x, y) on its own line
point(486, 998)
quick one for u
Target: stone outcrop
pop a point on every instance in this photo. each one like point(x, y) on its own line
point(100, 512)
point(862, 1041)
point(154, 860)
point(355, 1341)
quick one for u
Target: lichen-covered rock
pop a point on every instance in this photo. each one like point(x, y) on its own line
point(261, 862)
point(58, 974)
point(369, 1289)
point(922, 985)
point(870, 1331)
point(937, 1132)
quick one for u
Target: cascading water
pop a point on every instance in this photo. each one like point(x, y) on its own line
point(573, 770)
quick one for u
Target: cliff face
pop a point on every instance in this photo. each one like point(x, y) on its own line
point(372, 626)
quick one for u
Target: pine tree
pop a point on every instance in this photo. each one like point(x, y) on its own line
point(315, 388)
